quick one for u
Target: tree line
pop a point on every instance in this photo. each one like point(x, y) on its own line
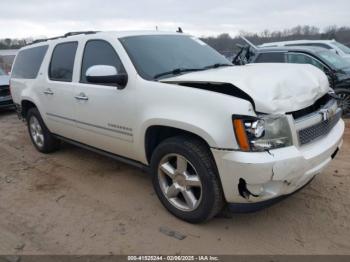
point(225, 43)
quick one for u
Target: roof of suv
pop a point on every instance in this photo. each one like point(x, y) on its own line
point(82, 35)
point(282, 43)
point(308, 49)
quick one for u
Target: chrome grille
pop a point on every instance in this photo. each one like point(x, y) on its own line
point(318, 130)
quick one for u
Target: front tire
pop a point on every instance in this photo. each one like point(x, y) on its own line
point(40, 135)
point(185, 179)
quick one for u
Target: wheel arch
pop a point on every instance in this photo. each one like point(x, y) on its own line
point(26, 104)
point(155, 134)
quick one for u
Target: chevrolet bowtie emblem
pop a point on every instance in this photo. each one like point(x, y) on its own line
point(326, 113)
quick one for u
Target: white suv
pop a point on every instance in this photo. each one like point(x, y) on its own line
point(209, 133)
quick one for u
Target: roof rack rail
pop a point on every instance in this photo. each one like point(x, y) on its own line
point(80, 33)
point(63, 36)
point(44, 40)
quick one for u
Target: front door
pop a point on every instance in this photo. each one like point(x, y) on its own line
point(102, 111)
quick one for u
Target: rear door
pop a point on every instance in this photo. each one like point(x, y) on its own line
point(57, 94)
point(102, 110)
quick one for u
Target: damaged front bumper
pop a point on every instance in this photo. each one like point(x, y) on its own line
point(252, 177)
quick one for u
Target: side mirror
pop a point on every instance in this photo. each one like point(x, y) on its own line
point(105, 74)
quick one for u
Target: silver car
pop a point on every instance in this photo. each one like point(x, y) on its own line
point(5, 95)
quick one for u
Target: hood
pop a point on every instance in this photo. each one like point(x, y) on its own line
point(4, 80)
point(275, 88)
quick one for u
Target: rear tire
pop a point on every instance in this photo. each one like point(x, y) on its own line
point(185, 179)
point(40, 135)
point(344, 102)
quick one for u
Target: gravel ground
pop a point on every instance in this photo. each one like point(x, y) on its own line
point(77, 202)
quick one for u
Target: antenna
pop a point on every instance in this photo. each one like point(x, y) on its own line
point(179, 30)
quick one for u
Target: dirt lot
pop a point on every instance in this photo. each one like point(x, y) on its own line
point(77, 202)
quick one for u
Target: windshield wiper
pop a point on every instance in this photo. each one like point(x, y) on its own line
point(177, 71)
point(216, 66)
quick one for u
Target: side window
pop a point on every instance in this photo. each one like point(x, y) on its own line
point(271, 57)
point(62, 62)
point(322, 45)
point(99, 52)
point(28, 62)
point(303, 59)
point(312, 44)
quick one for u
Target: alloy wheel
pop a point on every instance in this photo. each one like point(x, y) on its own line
point(36, 131)
point(180, 182)
point(344, 102)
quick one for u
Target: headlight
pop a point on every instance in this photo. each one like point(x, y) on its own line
point(262, 133)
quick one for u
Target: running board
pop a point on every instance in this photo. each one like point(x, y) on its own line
point(105, 153)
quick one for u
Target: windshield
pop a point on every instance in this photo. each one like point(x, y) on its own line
point(342, 47)
point(164, 55)
point(334, 60)
point(2, 72)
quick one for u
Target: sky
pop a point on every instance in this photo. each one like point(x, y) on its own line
point(47, 18)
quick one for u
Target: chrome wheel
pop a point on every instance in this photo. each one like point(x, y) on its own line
point(180, 182)
point(344, 102)
point(36, 131)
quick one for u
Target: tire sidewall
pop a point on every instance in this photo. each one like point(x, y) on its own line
point(202, 212)
point(33, 112)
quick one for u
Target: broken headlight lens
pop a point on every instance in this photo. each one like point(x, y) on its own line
point(262, 133)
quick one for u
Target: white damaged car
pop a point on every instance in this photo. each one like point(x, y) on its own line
point(209, 133)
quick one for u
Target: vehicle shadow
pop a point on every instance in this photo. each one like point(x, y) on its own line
point(6, 112)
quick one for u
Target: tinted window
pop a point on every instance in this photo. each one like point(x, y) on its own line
point(273, 57)
point(99, 52)
point(28, 62)
point(303, 59)
point(312, 44)
point(156, 54)
point(62, 62)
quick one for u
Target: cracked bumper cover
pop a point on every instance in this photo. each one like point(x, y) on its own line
point(278, 173)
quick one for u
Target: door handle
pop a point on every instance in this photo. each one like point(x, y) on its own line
point(81, 96)
point(48, 91)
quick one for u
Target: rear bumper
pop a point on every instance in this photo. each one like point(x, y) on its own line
point(251, 177)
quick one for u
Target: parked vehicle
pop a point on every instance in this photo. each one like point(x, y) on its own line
point(5, 95)
point(332, 45)
point(335, 67)
point(209, 133)
point(6, 59)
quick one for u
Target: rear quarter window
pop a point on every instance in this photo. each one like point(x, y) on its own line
point(312, 44)
point(28, 62)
